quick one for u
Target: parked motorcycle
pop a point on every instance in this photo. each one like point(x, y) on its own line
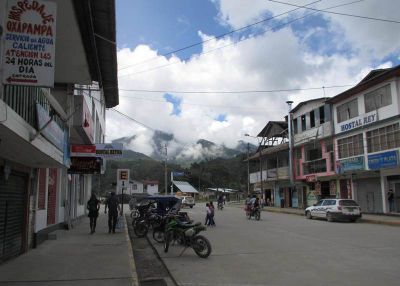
point(187, 235)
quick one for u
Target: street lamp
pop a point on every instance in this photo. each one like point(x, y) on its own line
point(289, 103)
point(259, 150)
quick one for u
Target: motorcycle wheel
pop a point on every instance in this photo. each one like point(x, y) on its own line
point(167, 238)
point(140, 229)
point(201, 246)
point(257, 215)
point(248, 215)
point(159, 235)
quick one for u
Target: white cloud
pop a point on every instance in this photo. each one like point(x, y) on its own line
point(275, 60)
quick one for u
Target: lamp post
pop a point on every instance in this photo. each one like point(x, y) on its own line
point(165, 170)
point(289, 103)
point(259, 150)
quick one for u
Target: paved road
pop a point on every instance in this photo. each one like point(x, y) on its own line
point(284, 249)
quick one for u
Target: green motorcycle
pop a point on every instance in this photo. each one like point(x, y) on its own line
point(187, 235)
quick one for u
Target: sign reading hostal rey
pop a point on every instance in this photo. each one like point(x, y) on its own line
point(29, 43)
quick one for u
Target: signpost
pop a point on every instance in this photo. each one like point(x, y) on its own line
point(29, 43)
point(123, 182)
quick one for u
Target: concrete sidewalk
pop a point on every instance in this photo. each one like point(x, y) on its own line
point(76, 258)
point(393, 220)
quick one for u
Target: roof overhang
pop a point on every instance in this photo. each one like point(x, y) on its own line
point(96, 20)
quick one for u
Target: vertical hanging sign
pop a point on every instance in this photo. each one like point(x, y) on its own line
point(29, 43)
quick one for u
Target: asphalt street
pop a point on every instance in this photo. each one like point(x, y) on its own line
point(284, 249)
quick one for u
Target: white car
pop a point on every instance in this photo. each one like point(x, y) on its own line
point(187, 201)
point(334, 209)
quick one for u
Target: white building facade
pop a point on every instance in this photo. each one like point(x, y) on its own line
point(37, 125)
point(367, 140)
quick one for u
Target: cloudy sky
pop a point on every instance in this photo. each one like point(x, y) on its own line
point(205, 91)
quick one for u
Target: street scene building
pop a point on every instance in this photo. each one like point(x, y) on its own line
point(50, 100)
point(343, 147)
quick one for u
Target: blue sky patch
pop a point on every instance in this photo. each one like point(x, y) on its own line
point(176, 102)
point(221, 117)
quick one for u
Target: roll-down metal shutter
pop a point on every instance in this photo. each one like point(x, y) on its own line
point(12, 214)
point(369, 195)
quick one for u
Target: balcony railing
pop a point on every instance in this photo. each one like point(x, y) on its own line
point(313, 167)
point(270, 175)
point(23, 100)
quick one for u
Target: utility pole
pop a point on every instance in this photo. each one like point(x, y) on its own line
point(248, 169)
point(165, 169)
point(261, 178)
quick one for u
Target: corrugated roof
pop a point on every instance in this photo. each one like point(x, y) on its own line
point(185, 187)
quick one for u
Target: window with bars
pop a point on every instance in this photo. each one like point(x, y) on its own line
point(347, 111)
point(378, 98)
point(383, 138)
point(350, 146)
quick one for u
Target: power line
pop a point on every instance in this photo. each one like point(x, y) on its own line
point(219, 36)
point(133, 119)
point(236, 91)
point(241, 40)
point(338, 13)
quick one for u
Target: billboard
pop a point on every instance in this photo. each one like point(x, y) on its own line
point(29, 43)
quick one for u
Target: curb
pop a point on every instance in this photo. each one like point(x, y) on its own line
point(134, 276)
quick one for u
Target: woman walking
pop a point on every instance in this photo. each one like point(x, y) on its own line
point(93, 205)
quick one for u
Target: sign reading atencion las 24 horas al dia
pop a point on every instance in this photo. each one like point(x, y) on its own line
point(29, 43)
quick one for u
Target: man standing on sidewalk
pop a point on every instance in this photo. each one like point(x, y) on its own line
point(113, 210)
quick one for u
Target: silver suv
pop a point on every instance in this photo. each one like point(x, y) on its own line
point(334, 209)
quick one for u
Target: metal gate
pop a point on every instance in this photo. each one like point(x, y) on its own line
point(13, 198)
point(369, 195)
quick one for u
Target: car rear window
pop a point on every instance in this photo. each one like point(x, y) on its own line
point(348, 203)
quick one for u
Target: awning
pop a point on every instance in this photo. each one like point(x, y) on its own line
point(185, 187)
point(223, 190)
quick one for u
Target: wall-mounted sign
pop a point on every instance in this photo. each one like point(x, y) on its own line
point(311, 178)
point(52, 132)
point(359, 121)
point(29, 43)
point(85, 165)
point(83, 150)
point(351, 164)
point(110, 150)
point(383, 160)
point(122, 179)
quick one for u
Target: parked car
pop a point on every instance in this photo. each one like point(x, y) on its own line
point(187, 201)
point(335, 209)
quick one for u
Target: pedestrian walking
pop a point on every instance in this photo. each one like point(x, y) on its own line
point(93, 206)
point(113, 210)
point(208, 212)
point(390, 196)
point(212, 212)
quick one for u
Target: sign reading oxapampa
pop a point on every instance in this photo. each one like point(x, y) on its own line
point(29, 43)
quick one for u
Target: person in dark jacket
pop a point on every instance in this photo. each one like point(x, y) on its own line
point(113, 209)
point(93, 206)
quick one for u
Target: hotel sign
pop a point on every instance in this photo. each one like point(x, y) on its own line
point(383, 160)
point(358, 121)
point(29, 42)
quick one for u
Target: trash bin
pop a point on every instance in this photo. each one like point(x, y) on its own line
point(282, 203)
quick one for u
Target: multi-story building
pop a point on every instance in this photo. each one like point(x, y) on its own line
point(272, 159)
point(367, 140)
point(313, 166)
point(41, 113)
